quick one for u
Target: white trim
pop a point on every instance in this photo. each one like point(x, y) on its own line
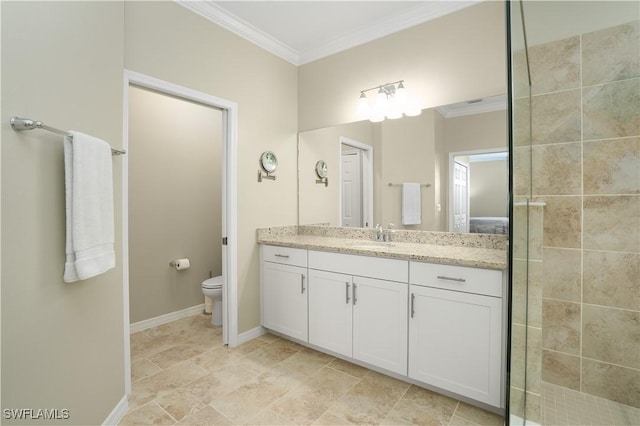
point(165, 318)
point(367, 151)
point(490, 104)
point(452, 156)
point(251, 334)
point(427, 11)
point(118, 411)
point(229, 203)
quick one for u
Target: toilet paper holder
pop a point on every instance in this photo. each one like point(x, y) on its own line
point(179, 264)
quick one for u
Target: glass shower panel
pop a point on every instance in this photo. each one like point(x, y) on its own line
point(575, 101)
point(524, 395)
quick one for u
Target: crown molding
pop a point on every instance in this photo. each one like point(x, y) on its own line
point(427, 11)
point(490, 104)
point(228, 21)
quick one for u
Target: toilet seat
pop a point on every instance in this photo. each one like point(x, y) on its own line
point(213, 283)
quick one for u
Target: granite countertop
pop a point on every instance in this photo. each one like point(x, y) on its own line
point(445, 250)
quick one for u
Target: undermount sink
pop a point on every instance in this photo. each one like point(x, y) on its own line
point(372, 245)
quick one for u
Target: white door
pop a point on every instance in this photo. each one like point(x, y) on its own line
point(351, 189)
point(330, 311)
point(455, 341)
point(460, 197)
point(284, 301)
point(380, 323)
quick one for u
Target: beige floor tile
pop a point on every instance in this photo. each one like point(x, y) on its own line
point(206, 416)
point(143, 348)
point(182, 372)
point(459, 421)
point(478, 415)
point(175, 354)
point(421, 406)
point(349, 368)
point(307, 361)
point(218, 384)
point(307, 402)
point(164, 382)
point(149, 414)
point(248, 400)
point(180, 403)
point(268, 417)
point(370, 400)
point(143, 368)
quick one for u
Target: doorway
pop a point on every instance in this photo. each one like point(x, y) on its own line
point(356, 184)
point(228, 211)
point(478, 191)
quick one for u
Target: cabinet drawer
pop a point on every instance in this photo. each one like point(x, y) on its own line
point(285, 255)
point(458, 278)
point(364, 266)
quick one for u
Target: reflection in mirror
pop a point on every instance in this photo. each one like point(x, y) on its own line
point(369, 156)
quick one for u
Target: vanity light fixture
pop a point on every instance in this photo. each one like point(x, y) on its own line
point(391, 101)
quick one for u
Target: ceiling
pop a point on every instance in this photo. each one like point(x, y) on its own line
point(304, 31)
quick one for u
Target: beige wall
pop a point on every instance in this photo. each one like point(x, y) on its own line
point(62, 344)
point(167, 41)
point(175, 201)
point(408, 155)
point(488, 190)
point(475, 132)
point(454, 58)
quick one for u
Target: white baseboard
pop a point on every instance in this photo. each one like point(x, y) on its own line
point(250, 334)
point(163, 319)
point(118, 411)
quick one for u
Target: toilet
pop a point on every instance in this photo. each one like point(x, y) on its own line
point(212, 288)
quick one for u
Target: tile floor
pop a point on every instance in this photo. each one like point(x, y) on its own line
point(182, 374)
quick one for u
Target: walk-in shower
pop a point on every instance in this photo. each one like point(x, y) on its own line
point(575, 145)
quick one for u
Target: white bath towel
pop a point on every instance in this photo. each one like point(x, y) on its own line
point(89, 207)
point(411, 204)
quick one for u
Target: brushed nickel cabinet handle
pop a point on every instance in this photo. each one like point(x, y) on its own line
point(458, 280)
point(413, 300)
point(346, 287)
point(354, 293)
point(284, 256)
point(302, 284)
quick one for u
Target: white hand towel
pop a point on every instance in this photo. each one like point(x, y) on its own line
point(411, 204)
point(89, 207)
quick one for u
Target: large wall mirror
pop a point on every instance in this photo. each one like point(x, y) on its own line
point(457, 153)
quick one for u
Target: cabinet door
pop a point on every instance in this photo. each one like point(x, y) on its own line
point(455, 341)
point(330, 311)
point(284, 299)
point(380, 323)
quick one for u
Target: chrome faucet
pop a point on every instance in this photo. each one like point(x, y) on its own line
point(379, 233)
point(386, 235)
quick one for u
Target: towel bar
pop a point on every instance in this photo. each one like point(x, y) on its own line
point(19, 124)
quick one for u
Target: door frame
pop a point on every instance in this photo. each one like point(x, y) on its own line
point(367, 179)
point(229, 202)
point(450, 198)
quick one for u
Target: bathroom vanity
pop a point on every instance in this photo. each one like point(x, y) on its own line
point(426, 307)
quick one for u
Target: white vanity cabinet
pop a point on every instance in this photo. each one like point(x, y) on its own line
point(284, 290)
point(362, 317)
point(455, 329)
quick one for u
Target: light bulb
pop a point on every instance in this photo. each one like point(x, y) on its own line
point(401, 97)
point(364, 109)
point(412, 109)
point(381, 103)
point(393, 109)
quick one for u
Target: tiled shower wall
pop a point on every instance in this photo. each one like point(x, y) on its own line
point(583, 157)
